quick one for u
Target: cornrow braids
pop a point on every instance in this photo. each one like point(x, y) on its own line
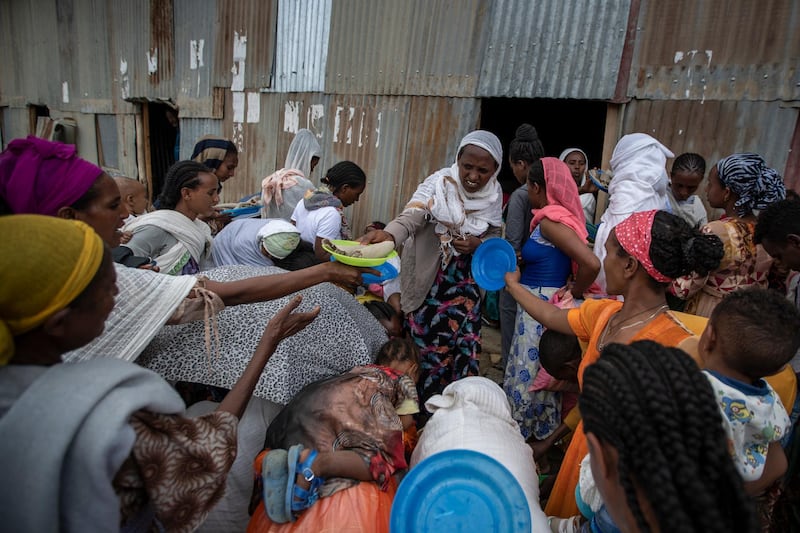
point(777, 221)
point(678, 249)
point(655, 407)
point(183, 174)
point(526, 145)
point(344, 173)
point(690, 163)
point(398, 349)
point(743, 339)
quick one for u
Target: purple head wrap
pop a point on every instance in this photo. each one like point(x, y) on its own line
point(40, 177)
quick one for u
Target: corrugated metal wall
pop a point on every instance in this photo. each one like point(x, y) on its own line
point(301, 50)
point(716, 129)
point(717, 50)
point(386, 47)
point(398, 141)
point(554, 49)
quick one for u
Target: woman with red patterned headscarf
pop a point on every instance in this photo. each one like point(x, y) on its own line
point(643, 254)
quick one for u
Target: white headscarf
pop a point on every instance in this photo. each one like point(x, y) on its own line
point(457, 212)
point(568, 151)
point(640, 184)
point(304, 147)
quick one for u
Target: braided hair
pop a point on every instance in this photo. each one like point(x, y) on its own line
point(183, 174)
point(526, 145)
point(655, 407)
point(678, 249)
point(398, 349)
point(690, 163)
point(344, 173)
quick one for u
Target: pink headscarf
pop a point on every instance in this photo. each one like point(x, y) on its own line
point(40, 177)
point(635, 234)
point(563, 201)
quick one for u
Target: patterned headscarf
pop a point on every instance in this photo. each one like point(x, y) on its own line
point(563, 201)
point(211, 149)
point(40, 177)
point(635, 234)
point(45, 263)
point(748, 176)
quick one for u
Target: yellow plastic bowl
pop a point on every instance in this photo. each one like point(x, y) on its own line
point(356, 261)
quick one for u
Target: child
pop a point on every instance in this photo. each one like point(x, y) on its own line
point(349, 429)
point(560, 357)
point(658, 451)
point(688, 171)
point(752, 333)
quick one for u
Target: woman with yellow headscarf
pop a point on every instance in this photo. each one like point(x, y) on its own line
point(98, 445)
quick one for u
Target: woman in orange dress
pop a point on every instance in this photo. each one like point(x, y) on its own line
point(643, 253)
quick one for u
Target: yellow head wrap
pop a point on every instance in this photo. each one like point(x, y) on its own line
point(45, 263)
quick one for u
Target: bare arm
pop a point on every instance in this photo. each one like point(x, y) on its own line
point(543, 312)
point(566, 240)
point(320, 252)
point(263, 288)
point(284, 324)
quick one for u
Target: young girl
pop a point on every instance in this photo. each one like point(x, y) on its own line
point(360, 416)
point(320, 215)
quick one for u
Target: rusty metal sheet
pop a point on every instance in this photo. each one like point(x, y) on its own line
point(554, 49)
point(717, 50)
point(716, 129)
point(415, 47)
point(195, 37)
point(244, 44)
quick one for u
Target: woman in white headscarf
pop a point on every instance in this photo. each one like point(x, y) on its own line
point(256, 242)
point(447, 218)
point(640, 184)
point(578, 162)
point(281, 191)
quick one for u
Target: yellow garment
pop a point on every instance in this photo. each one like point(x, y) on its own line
point(45, 263)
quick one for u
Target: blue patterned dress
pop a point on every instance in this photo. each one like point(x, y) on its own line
point(546, 270)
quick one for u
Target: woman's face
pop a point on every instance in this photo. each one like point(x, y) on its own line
point(520, 170)
point(91, 309)
point(537, 196)
point(201, 200)
point(349, 194)
point(684, 184)
point(715, 190)
point(614, 265)
point(106, 213)
point(226, 169)
point(577, 165)
point(475, 167)
point(314, 162)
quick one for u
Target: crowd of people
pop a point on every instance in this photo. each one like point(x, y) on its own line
point(155, 362)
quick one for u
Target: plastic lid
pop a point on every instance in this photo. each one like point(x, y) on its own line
point(387, 270)
point(460, 490)
point(490, 262)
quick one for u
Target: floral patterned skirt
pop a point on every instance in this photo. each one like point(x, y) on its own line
point(537, 413)
point(447, 330)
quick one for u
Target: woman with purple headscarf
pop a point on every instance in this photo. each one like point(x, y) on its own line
point(739, 184)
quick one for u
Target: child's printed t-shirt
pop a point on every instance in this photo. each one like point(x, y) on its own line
point(753, 418)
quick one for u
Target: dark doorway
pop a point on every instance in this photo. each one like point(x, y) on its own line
point(161, 123)
point(561, 124)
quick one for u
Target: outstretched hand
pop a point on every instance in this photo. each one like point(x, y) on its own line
point(376, 235)
point(286, 322)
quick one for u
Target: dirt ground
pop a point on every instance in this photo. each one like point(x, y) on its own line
point(490, 355)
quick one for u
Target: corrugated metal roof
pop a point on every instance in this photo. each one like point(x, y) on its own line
point(301, 50)
point(717, 50)
point(414, 47)
point(244, 47)
point(554, 49)
point(716, 129)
